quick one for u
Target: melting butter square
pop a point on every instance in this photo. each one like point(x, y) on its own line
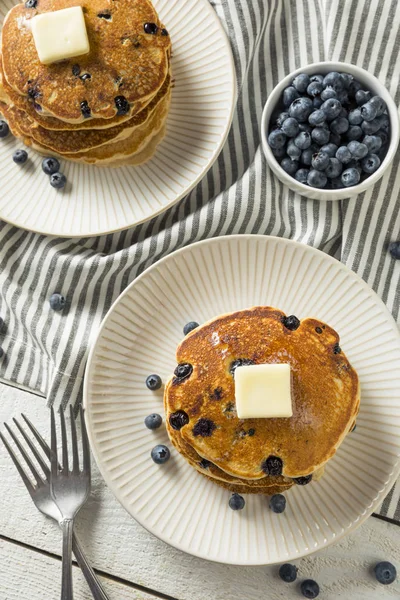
point(263, 391)
point(60, 34)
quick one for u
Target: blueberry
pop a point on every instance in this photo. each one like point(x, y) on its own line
point(281, 119)
point(204, 428)
point(236, 502)
point(57, 301)
point(239, 362)
point(303, 480)
point(20, 157)
point(85, 77)
point(317, 179)
point(122, 105)
point(371, 127)
point(334, 80)
point(316, 118)
point(302, 141)
point(306, 157)
point(4, 129)
point(357, 149)
point(347, 79)
point(314, 88)
point(150, 28)
point(317, 77)
point(354, 133)
point(369, 111)
point(301, 82)
point(335, 184)
point(344, 155)
point(370, 163)
point(384, 137)
point(153, 382)
point(178, 419)
point(309, 588)
point(331, 108)
point(277, 503)
point(317, 102)
point(85, 109)
point(334, 169)
point(289, 95)
point(328, 93)
point(362, 97)
point(189, 327)
point(355, 117)
point(289, 165)
point(385, 122)
point(76, 70)
point(301, 175)
point(164, 31)
point(385, 572)
point(343, 97)
point(379, 104)
point(160, 454)
point(354, 164)
point(339, 125)
point(336, 139)
point(305, 127)
point(293, 151)
point(279, 152)
point(320, 161)
point(394, 249)
point(350, 177)
point(291, 322)
point(288, 573)
point(329, 149)
point(354, 87)
point(290, 127)
point(58, 180)
point(320, 135)
point(153, 421)
point(182, 372)
point(272, 466)
point(50, 165)
point(300, 109)
point(277, 139)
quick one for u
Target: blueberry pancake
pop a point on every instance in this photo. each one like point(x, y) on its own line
point(325, 394)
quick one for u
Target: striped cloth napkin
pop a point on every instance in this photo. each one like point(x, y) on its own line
point(46, 351)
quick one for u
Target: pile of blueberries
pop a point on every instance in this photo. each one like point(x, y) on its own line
point(329, 132)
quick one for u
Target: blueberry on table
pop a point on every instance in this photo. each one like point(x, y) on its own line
point(153, 382)
point(371, 127)
point(317, 117)
point(277, 139)
point(370, 163)
point(301, 175)
point(314, 88)
point(320, 135)
point(290, 127)
point(153, 421)
point(329, 149)
point(289, 95)
point(334, 80)
point(320, 161)
point(20, 157)
point(4, 129)
point(334, 169)
point(358, 149)
point(355, 117)
point(289, 165)
point(317, 179)
point(385, 572)
point(350, 177)
point(236, 502)
point(331, 108)
point(301, 82)
point(58, 180)
point(277, 503)
point(309, 588)
point(362, 97)
point(394, 249)
point(57, 301)
point(160, 454)
point(340, 125)
point(50, 165)
point(288, 573)
point(344, 155)
point(189, 327)
point(301, 108)
point(354, 133)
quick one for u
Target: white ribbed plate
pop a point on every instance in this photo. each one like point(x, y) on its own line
point(139, 336)
point(100, 200)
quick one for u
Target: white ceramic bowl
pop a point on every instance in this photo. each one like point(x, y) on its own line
point(370, 83)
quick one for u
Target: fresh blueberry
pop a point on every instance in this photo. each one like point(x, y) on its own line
point(301, 82)
point(277, 503)
point(335, 139)
point(347, 79)
point(320, 135)
point(279, 152)
point(4, 129)
point(371, 127)
point(370, 163)
point(344, 155)
point(317, 179)
point(379, 104)
point(153, 421)
point(306, 157)
point(160, 454)
point(369, 111)
point(50, 165)
point(300, 109)
point(314, 89)
point(385, 122)
point(288, 573)
point(301, 175)
point(357, 149)
point(362, 97)
point(153, 382)
point(334, 169)
point(293, 151)
point(57, 301)
point(58, 180)
point(236, 502)
point(20, 157)
point(354, 87)
point(309, 588)
point(354, 133)
point(289, 95)
point(385, 572)
point(394, 249)
point(317, 102)
point(354, 164)
point(343, 97)
point(373, 143)
point(289, 165)
point(350, 177)
point(335, 184)
point(302, 141)
point(344, 113)
point(189, 327)
point(277, 139)
point(281, 119)
point(331, 108)
point(334, 80)
point(339, 125)
point(320, 161)
point(384, 137)
point(150, 28)
point(317, 77)
point(355, 117)
point(329, 149)
point(316, 118)
point(305, 127)
point(328, 93)
point(290, 127)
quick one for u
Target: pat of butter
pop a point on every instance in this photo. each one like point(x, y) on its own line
point(263, 391)
point(60, 34)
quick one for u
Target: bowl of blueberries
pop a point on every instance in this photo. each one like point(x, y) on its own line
point(330, 130)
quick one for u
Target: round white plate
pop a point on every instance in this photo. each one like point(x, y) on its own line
point(139, 336)
point(100, 200)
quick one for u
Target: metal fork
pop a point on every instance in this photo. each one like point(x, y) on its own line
point(41, 496)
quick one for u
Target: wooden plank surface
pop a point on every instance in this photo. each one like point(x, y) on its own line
point(116, 544)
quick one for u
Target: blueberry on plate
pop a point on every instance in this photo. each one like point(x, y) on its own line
point(160, 454)
point(317, 179)
point(236, 502)
point(394, 249)
point(301, 108)
point(4, 129)
point(57, 301)
point(317, 117)
point(290, 94)
point(350, 177)
point(362, 97)
point(370, 163)
point(293, 150)
point(277, 503)
point(50, 165)
point(344, 155)
point(153, 382)
point(320, 161)
point(358, 150)
point(153, 421)
point(301, 82)
point(301, 175)
point(309, 588)
point(189, 327)
point(288, 573)
point(334, 169)
point(369, 111)
point(290, 127)
point(355, 117)
point(331, 108)
point(58, 180)
point(329, 149)
point(20, 157)
point(385, 572)
point(277, 139)
point(289, 165)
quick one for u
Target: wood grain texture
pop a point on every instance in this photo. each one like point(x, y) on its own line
point(115, 543)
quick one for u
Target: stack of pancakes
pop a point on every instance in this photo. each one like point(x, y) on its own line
point(108, 107)
point(260, 455)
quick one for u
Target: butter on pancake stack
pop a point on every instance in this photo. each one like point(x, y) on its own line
point(260, 455)
point(107, 107)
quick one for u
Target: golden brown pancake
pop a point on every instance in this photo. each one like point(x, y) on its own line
point(123, 60)
point(325, 394)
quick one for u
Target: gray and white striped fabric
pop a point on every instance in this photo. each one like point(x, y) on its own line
point(46, 351)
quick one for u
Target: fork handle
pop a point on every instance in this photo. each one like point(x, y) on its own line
point(67, 526)
point(92, 580)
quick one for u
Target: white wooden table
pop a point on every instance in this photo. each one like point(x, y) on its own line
point(135, 565)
